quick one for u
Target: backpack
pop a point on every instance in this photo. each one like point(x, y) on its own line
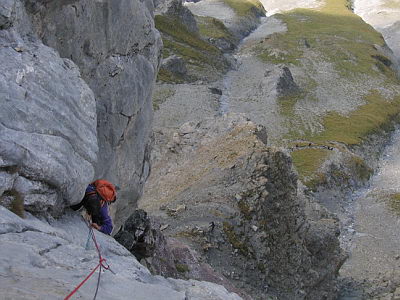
point(103, 188)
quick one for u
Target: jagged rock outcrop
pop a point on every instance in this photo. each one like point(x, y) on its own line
point(48, 140)
point(45, 261)
point(286, 85)
point(243, 211)
point(176, 9)
point(117, 49)
point(168, 257)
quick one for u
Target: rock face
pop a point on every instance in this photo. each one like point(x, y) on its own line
point(42, 261)
point(243, 211)
point(117, 49)
point(48, 140)
point(119, 62)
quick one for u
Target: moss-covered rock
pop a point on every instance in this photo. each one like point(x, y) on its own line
point(202, 58)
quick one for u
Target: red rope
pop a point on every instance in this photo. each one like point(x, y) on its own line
point(82, 283)
point(100, 264)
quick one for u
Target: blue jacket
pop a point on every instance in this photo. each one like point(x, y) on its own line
point(107, 225)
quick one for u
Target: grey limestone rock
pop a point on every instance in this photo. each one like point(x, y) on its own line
point(7, 12)
point(117, 49)
point(175, 65)
point(48, 141)
point(45, 261)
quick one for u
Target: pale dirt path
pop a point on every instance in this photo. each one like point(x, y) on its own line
point(374, 262)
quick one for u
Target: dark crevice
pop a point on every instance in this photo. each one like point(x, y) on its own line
point(130, 118)
point(44, 251)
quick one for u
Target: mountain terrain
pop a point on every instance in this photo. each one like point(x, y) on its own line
point(253, 145)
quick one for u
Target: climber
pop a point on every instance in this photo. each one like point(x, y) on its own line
point(98, 196)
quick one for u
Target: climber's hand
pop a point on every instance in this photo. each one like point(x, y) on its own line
point(95, 226)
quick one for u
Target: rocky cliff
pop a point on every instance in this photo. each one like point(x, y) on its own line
point(322, 82)
point(48, 121)
point(75, 86)
point(235, 201)
point(92, 90)
point(41, 260)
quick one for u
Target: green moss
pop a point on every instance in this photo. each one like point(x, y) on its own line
point(213, 28)
point(246, 7)
point(361, 168)
point(308, 161)
point(180, 33)
point(182, 268)
point(315, 181)
point(345, 40)
point(244, 209)
point(261, 267)
point(189, 54)
point(375, 115)
point(287, 104)
point(167, 76)
point(235, 240)
point(197, 53)
point(341, 37)
point(394, 203)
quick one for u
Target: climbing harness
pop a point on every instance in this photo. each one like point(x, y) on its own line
point(102, 264)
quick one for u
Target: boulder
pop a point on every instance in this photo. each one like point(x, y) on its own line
point(286, 85)
point(174, 64)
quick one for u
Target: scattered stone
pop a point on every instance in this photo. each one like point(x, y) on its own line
point(163, 227)
point(215, 91)
point(261, 189)
point(174, 64)
point(180, 208)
